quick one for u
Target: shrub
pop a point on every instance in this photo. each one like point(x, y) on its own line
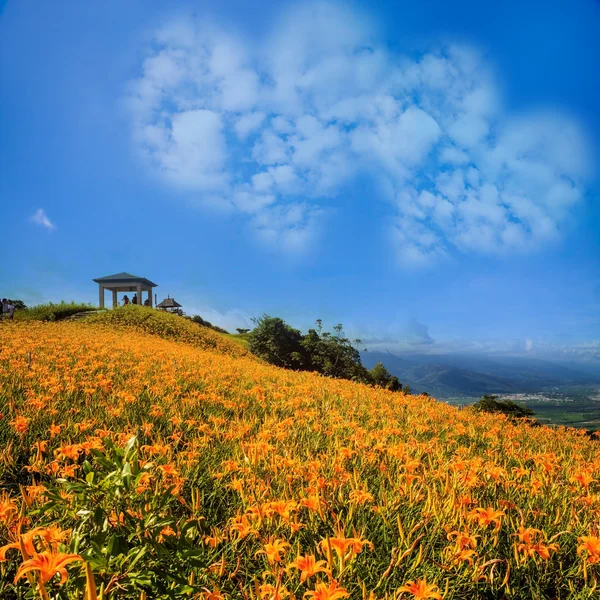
point(51, 311)
point(491, 404)
point(383, 378)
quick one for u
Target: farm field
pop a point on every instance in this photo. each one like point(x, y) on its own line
point(153, 460)
point(569, 406)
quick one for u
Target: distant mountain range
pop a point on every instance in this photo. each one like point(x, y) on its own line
point(468, 375)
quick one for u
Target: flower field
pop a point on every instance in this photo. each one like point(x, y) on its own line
point(134, 467)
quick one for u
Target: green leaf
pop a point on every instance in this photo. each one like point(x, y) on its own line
point(129, 447)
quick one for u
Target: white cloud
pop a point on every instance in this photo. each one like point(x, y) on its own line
point(229, 320)
point(273, 128)
point(453, 156)
point(270, 149)
point(41, 218)
point(290, 227)
point(248, 123)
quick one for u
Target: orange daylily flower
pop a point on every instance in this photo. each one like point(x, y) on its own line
point(589, 548)
point(527, 534)
point(361, 496)
point(308, 566)
point(48, 564)
point(421, 590)
point(20, 424)
point(584, 478)
point(8, 508)
point(52, 536)
point(268, 591)
point(345, 547)
point(464, 556)
point(487, 516)
point(463, 539)
point(324, 592)
point(274, 550)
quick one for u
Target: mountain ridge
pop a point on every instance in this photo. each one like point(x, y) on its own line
point(463, 374)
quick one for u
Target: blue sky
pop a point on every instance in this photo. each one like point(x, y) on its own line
point(424, 172)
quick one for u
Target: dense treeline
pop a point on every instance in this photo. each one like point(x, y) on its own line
point(331, 354)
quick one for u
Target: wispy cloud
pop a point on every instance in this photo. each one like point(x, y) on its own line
point(273, 131)
point(41, 218)
point(229, 320)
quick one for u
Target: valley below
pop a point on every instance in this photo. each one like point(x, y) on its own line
point(569, 405)
point(559, 394)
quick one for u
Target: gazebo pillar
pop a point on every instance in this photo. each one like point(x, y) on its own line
point(101, 295)
point(139, 294)
point(150, 297)
point(115, 300)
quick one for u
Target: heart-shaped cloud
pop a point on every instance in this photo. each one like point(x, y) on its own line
point(277, 131)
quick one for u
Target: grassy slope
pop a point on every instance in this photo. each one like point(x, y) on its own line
point(241, 339)
point(168, 326)
point(235, 437)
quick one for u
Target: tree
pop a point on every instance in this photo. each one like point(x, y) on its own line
point(18, 304)
point(276, 342)
point(334, 356)
point(383, 378)
point(490, 403)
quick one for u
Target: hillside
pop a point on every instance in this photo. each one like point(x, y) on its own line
point(437, 379)
point(178, 468)
point(443, 380)
point(170, 327)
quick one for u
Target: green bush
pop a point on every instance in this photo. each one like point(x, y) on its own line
point(491, 404)
point(383, 378)
point(51, 311)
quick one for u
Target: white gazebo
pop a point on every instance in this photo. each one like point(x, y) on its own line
point(124, 282)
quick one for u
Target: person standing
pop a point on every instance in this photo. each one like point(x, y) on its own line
point(125, 300)
point(134, 300)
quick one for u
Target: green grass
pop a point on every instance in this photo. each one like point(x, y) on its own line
point(241, 339)
point(51, 311)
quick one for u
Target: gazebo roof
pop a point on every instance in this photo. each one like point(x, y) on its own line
point(124, 277)
point(169, 303)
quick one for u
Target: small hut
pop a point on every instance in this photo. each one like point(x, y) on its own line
point(170, 305)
